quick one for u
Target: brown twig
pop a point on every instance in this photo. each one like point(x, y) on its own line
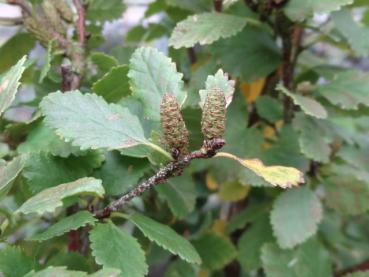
point(359, 267)
point(218, 5)
point(172, 169)
point(81, 22)
point(11, 20)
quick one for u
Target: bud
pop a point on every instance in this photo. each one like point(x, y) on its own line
point(172, 123)
point(213, 114)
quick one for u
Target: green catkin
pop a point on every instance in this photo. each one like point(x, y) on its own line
point(52, 15)
point(172, 124)
point(64, 10)
point(213, 114)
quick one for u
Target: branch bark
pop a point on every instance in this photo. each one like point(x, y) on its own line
point(172, 169)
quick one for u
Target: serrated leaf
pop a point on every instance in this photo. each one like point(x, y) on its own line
point(152, 74)
point(115, 248)
point(72, 260)
point(251, 241)
point(357, 35)
point(43, 139)
point(191, 5)
point(114, 85)
point(295, 216)
point(101, 10)
point(314, 140)
point(66, 224)
point(220, 81)
point(89, 122)
point(50, 199)
point(14, 263)
point(180, 193)
point(166, 238)
point(199, 28)
point(8, 172)
point(9, 83)
point(46, 67)
point(347, 90)
point(309, 259)
point(44, 171)
point(299, 10)
point(308, 105)
point(346, 195)
point(215, 251)
point(255, 48)
point(103, 61)
point(59, 271)
point(281, 176)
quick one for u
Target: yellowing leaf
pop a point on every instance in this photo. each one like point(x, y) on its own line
point(251, 91)
point(281, 176)
point(211, 183)
point(219, 226)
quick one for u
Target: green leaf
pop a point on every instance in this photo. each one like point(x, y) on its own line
point(114, 85)
point(298, 10)
point(249, 215)
point(347, 90)
point(66, 224)
point(295, 216)
point(9, 83)
point(14, 49)
point(8, 172)
point(281, 176)
point(180, 193)
point(106, 272)
point(309, 259)
point(199, 28)
point(191, 5)
point(255, 48)
point(46, 67)
point(119, 174)
point(314, 140)
point(309, 105)
point(219, 81)
point(180, 268)
point(233, 191)
point(44, 171)
point(346, 195)
point(251, 241)
point(72, 260)
point(101, 10)
point(43, 138)
point(56, 271)
point(166, 238)
point(358, 274)
point(14, 263)
point(50, 199)
point(89, 122)
point(357, 35)
point(151, 75)
point(215, 251)
point(113, 247)
point(269, 108)
point(103, 61)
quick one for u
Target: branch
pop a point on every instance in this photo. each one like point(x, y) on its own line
point(359, 267)
point(11, 20)
point(25, 7)
point(81, 22)
point(172, 169)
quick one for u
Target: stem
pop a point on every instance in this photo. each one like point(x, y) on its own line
point(26, 8)
point(160, 150)
point(172, 169)
point(81, 22)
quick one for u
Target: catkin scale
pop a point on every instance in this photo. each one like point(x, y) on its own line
point(213, 114)
point(172, 123)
